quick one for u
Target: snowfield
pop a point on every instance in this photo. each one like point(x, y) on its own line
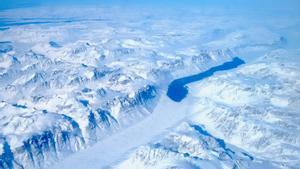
point(86, 88)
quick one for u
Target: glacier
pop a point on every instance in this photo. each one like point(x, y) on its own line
point(87, 87)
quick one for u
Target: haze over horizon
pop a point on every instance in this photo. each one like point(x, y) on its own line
point(266, 4)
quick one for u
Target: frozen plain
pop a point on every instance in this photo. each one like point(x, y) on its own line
point(88, 89)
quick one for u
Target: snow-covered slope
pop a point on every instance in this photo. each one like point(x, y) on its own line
point(256, 107)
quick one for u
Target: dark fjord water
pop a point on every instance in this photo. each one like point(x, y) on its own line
point(178, 90)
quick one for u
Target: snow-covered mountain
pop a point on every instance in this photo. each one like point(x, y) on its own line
point(68, 84)
point(254, 108)
point(190, 146)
